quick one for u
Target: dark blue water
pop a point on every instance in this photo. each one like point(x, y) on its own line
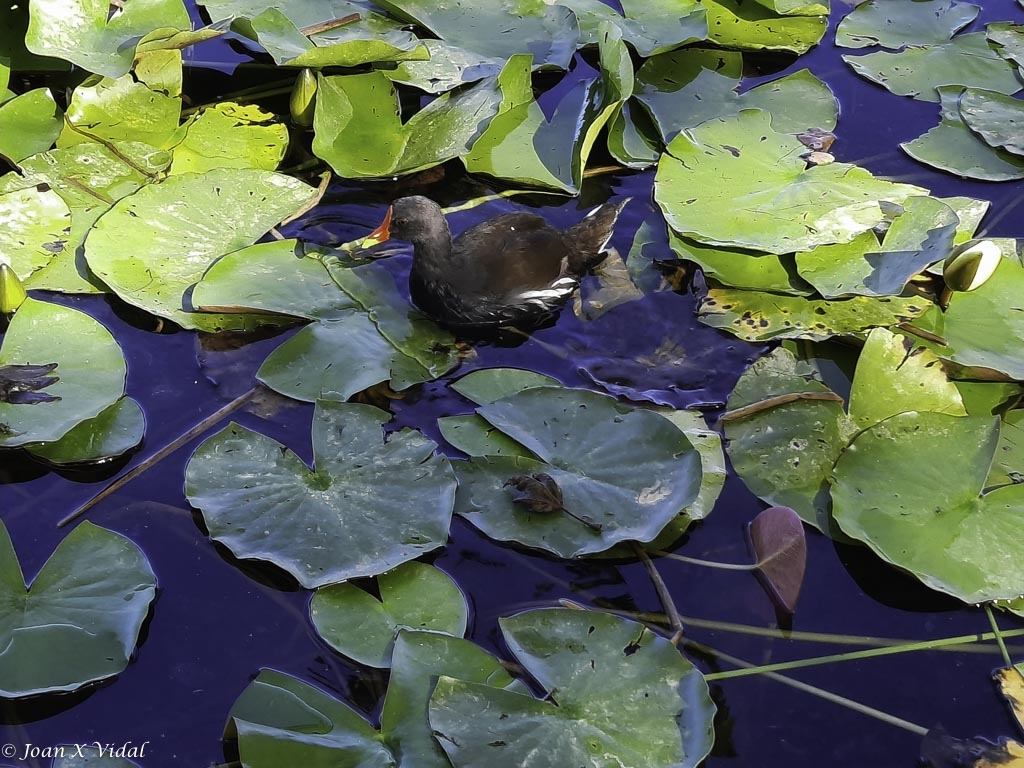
point(216, 621)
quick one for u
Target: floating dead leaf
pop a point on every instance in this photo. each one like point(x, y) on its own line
point(1011, 684)
point(940, 750)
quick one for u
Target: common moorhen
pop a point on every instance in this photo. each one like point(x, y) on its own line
point(513, 270)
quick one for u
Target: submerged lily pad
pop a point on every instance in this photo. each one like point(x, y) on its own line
point(367, 506)
point(79, 620)
point(90, 367)
point(896, 489)
point(895, 24)
point(363, 627)
point(619, 695)
point(735, 182)
point(151, 247)
point(628, 471)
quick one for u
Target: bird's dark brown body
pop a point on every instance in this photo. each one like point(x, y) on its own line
point(512, 270)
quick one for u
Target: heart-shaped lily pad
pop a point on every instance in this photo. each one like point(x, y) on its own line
point(362, 627)
point(80, 618)
point(616, 694)
point(625, 471)
point(367, 506)
point(896, 489)
point(90, 368)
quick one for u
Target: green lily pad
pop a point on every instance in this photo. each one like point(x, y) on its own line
point(29, 123)
point(951, 146)
point(894, 24)
point(118, 429)
point(79, 620)
point(735, 182)
point(748, 270)
point(896, 489)
point(367, 506)
point(490, 384)
point(967, 60)
point(90, 367)
point(154, 245)
point(983, 327)
point(749, 26)
point(1008, 39)
point(579, 437)
point(448, 67)
point(501, 28)
point(649, 26)
point(1008, 463)
point(89, 178)
point(919, 237)
point(122, 109)
point(785, 450)
point(35, 228)
point(229, 135)
point(619, 694)
point(363, 627)
point(358, 126)
point(758, 316)
point(279, 720)
point(632, 140)
point(998, 119)
point(85, 33)
point(895, 374)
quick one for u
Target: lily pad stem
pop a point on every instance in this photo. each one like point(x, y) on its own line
point(707, 563)
point(773, 402)
point(663, 594)
point(167, 450)
point(998, 634)
point(110, 148)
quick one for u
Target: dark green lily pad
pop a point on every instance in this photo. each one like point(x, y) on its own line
point(581, 439)
point(363, 627)
point(758, 316)
point(279, 720)
point(490, 384)
point(358, 127)
point(29, 123)
point(117, 430)
point(784, 451)
point(951, 146)
point(85, 33)
point(1008, 463)
point(618, 694)
point(784, 206)
point(748, 26)
point(998, 119)
point(650, 26)
point(90, 366)
point(895, 24)
point(501, 28)
point(896, 489)
point(367, 506)
point(154, 245)
point(967, 60)
point(79, 620)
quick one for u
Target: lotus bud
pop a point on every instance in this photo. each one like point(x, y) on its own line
point(12, 290)
point(303, 100)
point(969, 266)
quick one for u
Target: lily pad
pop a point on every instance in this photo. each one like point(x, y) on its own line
point(79, 620)
point(784, 448)
point(780, 546)
point(757, 316)
point(649, 26)
point(616, 694)
point(951, 146)
point(90, 366)
point(118, 429)
point(501, 28)
point(896, 490)
point(154, 245)
point(363, 627)
point(967, 60)
point(29, 123)
point(894, 375)
point(86, 33)
point(34, 225)
point(447, 68)
point(229, 135)
point(749, 270)
point(998, 119)
point(735, 182)
point(580, 437)
point(895, 24)
point(367, 506)
point(748, 26)
point(490, 384)
point(279, 720)
point(358, 126)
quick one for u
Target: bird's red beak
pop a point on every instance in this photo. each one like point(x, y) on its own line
point(381, 233)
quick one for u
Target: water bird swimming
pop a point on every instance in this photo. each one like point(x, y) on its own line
point(514, 270)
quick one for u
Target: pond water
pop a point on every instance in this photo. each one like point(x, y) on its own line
point(217, 621)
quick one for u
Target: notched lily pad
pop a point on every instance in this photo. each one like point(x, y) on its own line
point(368, 504)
